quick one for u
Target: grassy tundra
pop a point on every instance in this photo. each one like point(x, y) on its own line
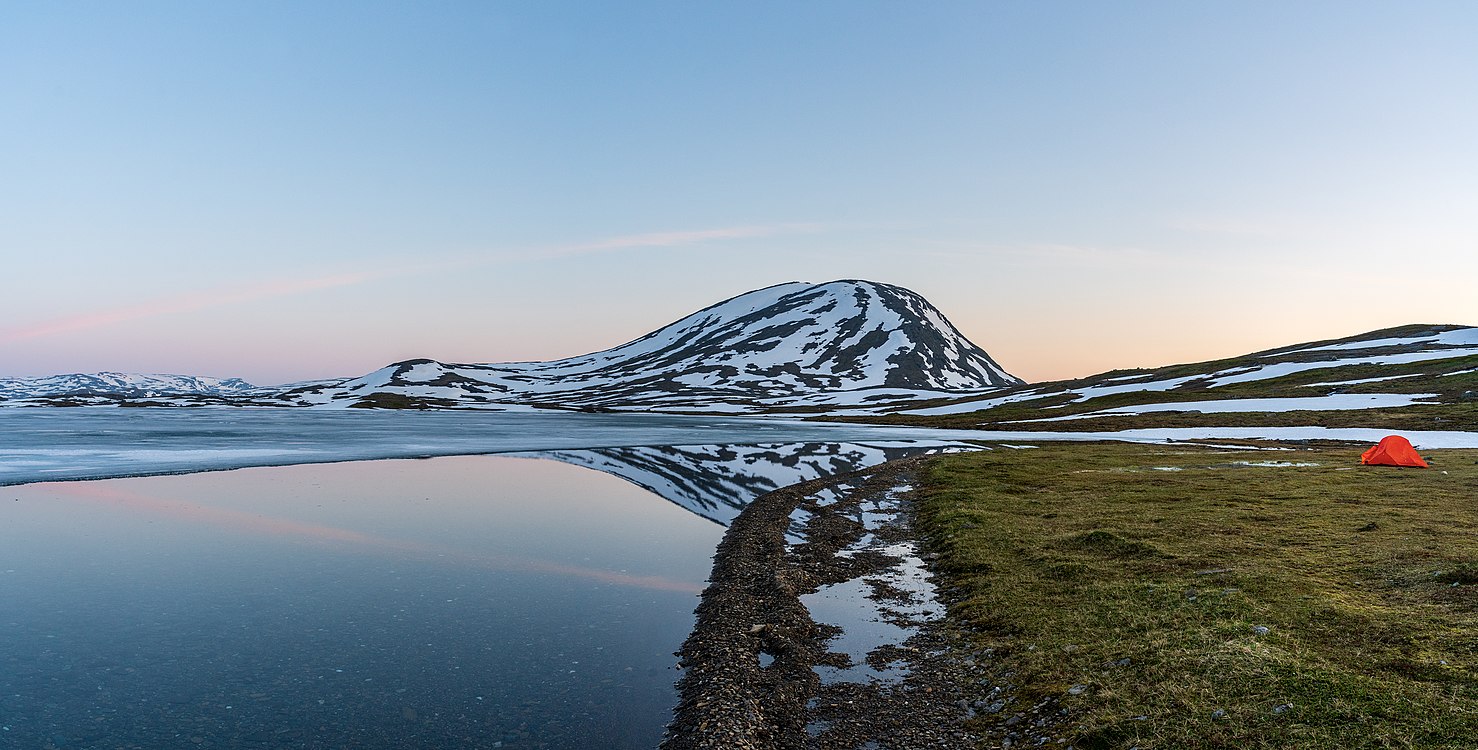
point(1177, 597)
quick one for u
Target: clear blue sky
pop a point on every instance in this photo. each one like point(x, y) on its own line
point(280, 191)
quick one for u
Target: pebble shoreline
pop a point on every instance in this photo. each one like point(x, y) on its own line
point(951, 693)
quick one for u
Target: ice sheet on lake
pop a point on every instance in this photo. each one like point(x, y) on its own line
point(93, 443)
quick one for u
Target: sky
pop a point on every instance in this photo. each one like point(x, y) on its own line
point(281, 191)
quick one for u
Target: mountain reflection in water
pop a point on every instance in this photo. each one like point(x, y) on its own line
point(718, 481)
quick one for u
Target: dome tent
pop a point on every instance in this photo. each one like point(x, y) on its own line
point(1392, 450)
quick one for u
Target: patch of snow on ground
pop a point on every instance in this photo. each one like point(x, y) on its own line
point(1095, 391)
point(1276, 464)
point(1335, 402)
point(422, 372)
point(871, 396)
point(1363, 380)
point(1460, 337)
point(1279, 369)
point(970, 406)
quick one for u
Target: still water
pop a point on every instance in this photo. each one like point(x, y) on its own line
point(472, 602)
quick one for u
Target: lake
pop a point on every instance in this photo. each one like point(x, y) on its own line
point(472, 601)
point(454, 602)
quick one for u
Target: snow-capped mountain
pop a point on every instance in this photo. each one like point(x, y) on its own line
point(786, 346)
point(123, 385)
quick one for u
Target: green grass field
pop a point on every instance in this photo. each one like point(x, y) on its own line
point(1135, 582)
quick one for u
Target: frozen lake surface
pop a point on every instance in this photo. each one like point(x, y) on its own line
point(47, 444)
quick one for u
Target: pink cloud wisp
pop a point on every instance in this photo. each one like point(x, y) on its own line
point(221, 296)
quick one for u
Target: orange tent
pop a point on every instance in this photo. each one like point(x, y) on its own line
point(1392, 450)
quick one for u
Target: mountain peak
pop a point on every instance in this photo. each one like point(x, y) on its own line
point(781, 346)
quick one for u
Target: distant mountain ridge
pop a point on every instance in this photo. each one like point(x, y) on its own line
point(124, 385)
